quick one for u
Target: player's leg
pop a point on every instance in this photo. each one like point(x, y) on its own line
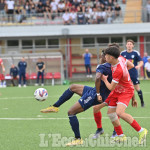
point(24, 79)
point(20, 77)
point(75, 109)
point(42, 78)
point(90, 71)
point(86, 67)
point(74, 88)
point(129, 119)
point(140, 94)
point(38, 76)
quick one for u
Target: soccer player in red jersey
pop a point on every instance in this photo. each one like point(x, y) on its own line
point(122, 92)
point(3, 69)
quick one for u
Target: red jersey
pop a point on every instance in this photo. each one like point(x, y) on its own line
point(121, 76)
point(1, 61)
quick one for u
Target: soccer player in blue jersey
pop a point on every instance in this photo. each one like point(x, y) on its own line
point(135, 58)
point(89, 97)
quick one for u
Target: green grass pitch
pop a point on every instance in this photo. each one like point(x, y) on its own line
point(20, 128)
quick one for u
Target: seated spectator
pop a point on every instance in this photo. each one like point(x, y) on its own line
point(73, 8)
point(117, 10)
point(94, 16)
point(102, 7)
point(27, 8)
point(101, 15)
point(68, 6)
point(33, 8)
point(66, 18)
point(54, 11)
point(147, 67)
point(61, 6)
point(96, 4)
point(14, 74)
point(88, 17)
point(81, 17)
point(43, 2)
point(73, 17)
point(75, 3)
point(40, 7)
point(90, 3)
point(109, 15)
point(10, 9)
point(47, 11)
point(148, 11)
point(110, 3)
point(19, 15)
point(2, 10)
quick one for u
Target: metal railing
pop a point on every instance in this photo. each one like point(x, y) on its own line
point(81, 18)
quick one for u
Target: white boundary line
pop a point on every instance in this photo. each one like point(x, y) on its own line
point(3, 98)
point(60, 118)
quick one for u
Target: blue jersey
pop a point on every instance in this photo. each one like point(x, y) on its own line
point(14, 71)
point(133, 57)
point(22, 66)
point(105, 69)
point(145, 60)
point(87, 58)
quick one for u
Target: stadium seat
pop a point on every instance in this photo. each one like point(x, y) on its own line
point(33, 76)
point(57, 75)
point(7, 77)
point(27, 76)
point(48, 75)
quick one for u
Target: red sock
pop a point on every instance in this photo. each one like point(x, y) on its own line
point(118, 130)
point(135, 125)
point(98, 119)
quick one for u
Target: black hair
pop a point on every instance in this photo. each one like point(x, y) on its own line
point(113, 51)
point(114, 44)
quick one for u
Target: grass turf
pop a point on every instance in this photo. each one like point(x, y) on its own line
point(24, 134)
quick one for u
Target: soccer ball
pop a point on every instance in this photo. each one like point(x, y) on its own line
point(41, 94)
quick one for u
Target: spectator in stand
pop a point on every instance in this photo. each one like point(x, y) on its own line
point(43, 2)
point(96, 4)
point(40, 8)
point(101, 15)
point(53, 8)
point(2, 10)
point(145, 60)
point(81, 17)
point(68, 6)
point(87, 62)
point(94, 16)
point(61, 6)
point(10, 9)
point(27, 9)
point(102, 7)
point(73, 8)
point(73, 17)
point(22, 65)
point(14, 74)
point(66, 18)
point(90, 3)
point(47, 11)
point(33, 8)
point(148, 11)
point(75, 3)
point(88, 17)
point(117, 10)
point(110, 3)
point(147, 67)
point(109, 15)
point(19, 16)
point(40, 67)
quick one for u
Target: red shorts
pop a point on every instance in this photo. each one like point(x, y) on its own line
point(119, 98)
point(2, 77)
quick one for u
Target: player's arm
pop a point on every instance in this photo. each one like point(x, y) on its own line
point(43, 67)
point(130, 65)
point(97, 85)
point(3, 68)
point(111, 86)
point(139, 65)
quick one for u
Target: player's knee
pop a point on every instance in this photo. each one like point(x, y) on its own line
point(113, 116)
point(70, 112)
point(72, 87)
point(96, 109)
point(119, 113)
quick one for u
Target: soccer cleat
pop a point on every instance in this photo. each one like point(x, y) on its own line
point(19, 85)
point(42, 84)
point(114, 134)
point(24, 85)
point(75, 142)
point(50, 109)
point(36, 84)
point(142, 135)
point(98, 133)
point(142, 104)
point(119, 138)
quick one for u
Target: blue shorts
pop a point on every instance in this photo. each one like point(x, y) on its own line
point(89, 97)
point(135, 80)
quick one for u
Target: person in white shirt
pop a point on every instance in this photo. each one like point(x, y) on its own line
point(94, 16)
point(61, 7)
point(10, 9)
point(54, 8)
point(101, 15)
point(147, 67)
point(66, 18)
point(73, 17)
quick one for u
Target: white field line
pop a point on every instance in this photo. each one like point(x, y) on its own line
point(60, 118)
point(3, 98)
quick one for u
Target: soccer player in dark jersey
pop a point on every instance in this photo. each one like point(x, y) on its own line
point(134, 57)
point(89, 97)
point(40, 67)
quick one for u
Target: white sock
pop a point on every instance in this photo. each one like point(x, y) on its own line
point(121, 135)
point(141, 130)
